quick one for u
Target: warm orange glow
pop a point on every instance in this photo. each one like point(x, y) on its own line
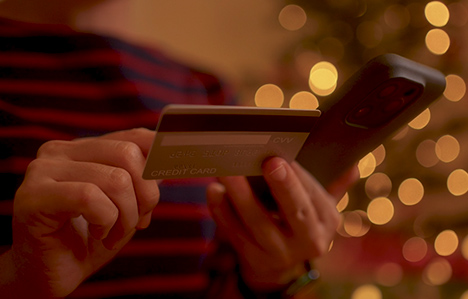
point(367, 291)
point(438, 41)
point(421, 120)
point(367, 165)
point(269, 95)
point(457, 182)
point(304, 100)
point(292, 17)
point(426, 154)
point(380, 211)
point(446, 243)
point(447, 148)
point(411, 191)
point(438, 272)
point(414, 249)
point(377, 185)
point(437, 13)
point(455, 89)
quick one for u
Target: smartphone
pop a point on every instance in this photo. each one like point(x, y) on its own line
point(381, 97)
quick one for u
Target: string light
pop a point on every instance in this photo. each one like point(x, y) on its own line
point(292, 17)
point(367, 291)
point(414, 249)
point(437, 41)
point(437, 13)
point(303, 100)
point(455, 89)
point(380, 210)
point(323, 78)
point(369, 30)
point(457, 182)
point(437, 272)
point(421, 120)
point(411, 191)
point(366, 165)
point(446, 243)
point(447, 148)
point(269, 95)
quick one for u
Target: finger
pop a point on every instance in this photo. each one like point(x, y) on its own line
point(321, 199)
point(339, 187)
point(226, 218)
point(253, 216)
point(122, 154)
point(292, 198)
point(141, 137)
point(114, 182)
point(307, 208)
point(63, 201)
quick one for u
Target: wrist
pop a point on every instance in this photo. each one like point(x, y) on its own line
point(298, 281)
point(19, 280)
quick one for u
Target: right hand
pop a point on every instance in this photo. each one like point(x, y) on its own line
point(80, 203)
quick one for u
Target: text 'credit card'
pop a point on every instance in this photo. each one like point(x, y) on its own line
point(213, 141)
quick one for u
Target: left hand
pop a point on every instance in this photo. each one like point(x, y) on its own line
point(273, 246)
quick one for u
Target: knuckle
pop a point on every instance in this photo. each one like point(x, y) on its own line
point(128, 152)
point(50, 147)
point(88, 193)
point(120, 178)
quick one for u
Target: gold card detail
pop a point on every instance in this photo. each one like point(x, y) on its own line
point(205, 143)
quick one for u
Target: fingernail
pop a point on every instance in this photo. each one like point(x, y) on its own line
point(145, 221)
point(279, 173)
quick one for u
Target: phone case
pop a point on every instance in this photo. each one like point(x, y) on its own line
point(385, 94)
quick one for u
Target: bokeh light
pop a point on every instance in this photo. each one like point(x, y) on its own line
point(446, 243)
point(447, 148)
point(411, 191)
point(437, 41)
point(367, 291)
point(380, 210)
point(367, 165)
point(379, 154)
point(455, 89)
point(414, 249)
point(292, 17)
point(304, 100)
point(389, 274)
point(437, 13)
point(378, 185)
point(420, 121)
point(343, 203)
point(437, 272)
point(458, 14)
point(426, 153)
point(457, 182)
point(464, 247)
point(269, 95)
point(323, 78)
point(356, 223)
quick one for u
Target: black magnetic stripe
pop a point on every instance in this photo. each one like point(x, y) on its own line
point(229, 122)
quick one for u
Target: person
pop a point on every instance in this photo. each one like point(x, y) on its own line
point(77, 111)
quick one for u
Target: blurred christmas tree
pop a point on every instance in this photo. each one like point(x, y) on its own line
point(405, 224)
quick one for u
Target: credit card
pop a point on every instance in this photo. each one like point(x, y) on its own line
point(213, 141)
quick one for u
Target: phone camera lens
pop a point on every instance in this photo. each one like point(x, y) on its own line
point(394, 106)
point(362, 112)
point(387, 91)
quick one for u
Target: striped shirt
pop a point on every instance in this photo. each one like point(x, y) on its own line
point(56, 83)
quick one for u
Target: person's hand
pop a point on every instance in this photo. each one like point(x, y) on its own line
point(273, 246)
point(80, 202)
